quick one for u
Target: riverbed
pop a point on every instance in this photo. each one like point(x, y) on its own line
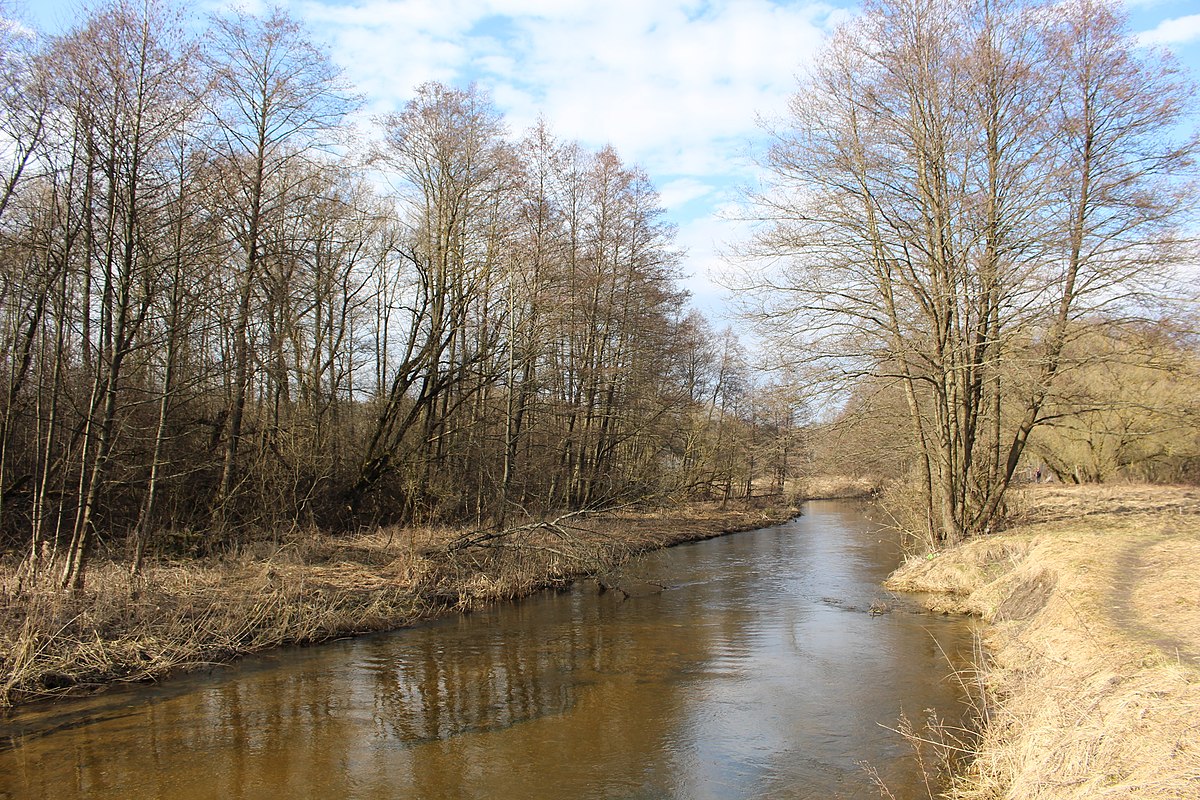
point(764, 664)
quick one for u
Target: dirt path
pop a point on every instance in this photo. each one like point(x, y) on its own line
point(1148, 596)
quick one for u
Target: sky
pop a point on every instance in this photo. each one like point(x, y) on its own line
point(676, 86)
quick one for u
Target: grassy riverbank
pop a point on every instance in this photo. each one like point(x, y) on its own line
point(308, 587)
point(1093, 676)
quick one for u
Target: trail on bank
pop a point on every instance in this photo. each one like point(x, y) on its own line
point(1092, 680)
point(1147, 574)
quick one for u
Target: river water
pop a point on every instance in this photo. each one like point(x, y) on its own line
point(757, 673)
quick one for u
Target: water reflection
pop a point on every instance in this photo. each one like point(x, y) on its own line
point(758, 674)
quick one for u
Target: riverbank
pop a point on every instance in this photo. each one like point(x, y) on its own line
point(308, 587)
point(839, 487)
point(1092, 678)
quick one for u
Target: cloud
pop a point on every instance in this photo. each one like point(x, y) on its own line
point(1181, 30)
point(676, 86)
point(672, 85)
point(1141, 4)
point(683, 190)
point(708, 239)
point(662, 84)
point(702, 240)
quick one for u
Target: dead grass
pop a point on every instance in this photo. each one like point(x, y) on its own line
point(175, 615)
point(834, 487)
point(1094, 681)
point(306, 587)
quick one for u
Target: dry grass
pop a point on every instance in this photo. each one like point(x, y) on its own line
point(305, 588)
point(1094, 601)
point(833, 487)
point(123, 628)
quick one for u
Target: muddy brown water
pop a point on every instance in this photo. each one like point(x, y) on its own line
point(759, 672)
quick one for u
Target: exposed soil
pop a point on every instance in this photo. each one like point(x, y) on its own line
point(1092, 686)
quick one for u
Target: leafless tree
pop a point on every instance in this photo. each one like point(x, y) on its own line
point(132, 94)
point(214, 326)
point(275, 98)
point(957, 182)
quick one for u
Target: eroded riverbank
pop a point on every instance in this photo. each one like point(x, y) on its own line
point(304, 588)
point(1093, 680)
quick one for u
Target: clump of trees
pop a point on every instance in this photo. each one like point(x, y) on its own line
point(1129, 408)
point(215, 318)
point(958, 186)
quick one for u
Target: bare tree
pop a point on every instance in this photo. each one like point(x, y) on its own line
point(133, 95)
point(275, 98)
point(1126, 407)
point(957, 182)
point(199, 297)
point(449, 160)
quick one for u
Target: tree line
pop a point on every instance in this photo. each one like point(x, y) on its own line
point(225, 310)
point(1127, 409)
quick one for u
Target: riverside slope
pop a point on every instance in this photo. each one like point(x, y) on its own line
point(1092, 680)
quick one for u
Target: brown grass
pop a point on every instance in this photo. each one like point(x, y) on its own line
point(834, 487)
point(307, 587)
point(1094, 680)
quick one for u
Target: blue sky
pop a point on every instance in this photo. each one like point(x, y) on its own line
point(676, 86)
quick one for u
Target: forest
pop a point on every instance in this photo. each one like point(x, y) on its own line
point(229, 310)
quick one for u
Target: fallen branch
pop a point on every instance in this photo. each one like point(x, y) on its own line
point(486, 537)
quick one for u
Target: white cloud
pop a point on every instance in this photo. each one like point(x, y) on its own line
point(1141, 4)
point(709, 239)
point(656, 79)
point(675, 86)
point(702, 239)
point(683, 190)
point(1181, 30)
point(660, 85)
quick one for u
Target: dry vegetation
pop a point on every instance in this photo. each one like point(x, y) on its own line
point(1093, 680)
point(837, 486)
point(306, 588)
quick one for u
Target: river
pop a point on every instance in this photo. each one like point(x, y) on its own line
point(758, 672)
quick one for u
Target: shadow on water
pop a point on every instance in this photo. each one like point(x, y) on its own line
point(758, 672)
